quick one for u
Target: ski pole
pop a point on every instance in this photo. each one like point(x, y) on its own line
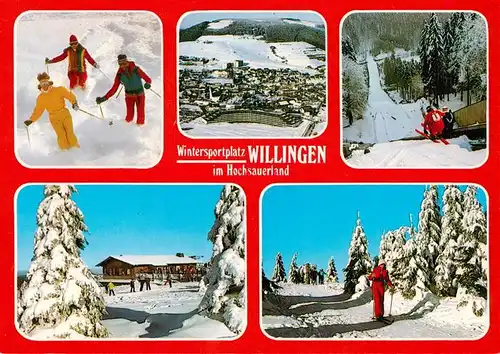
point(29, 139)
point(47, 68)
point(104, 74)
point(390, 307)
point(90, 114)
point(153, 91)
point(100, 108)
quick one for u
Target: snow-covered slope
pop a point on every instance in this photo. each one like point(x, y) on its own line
point(385, 121)
point(159, 313)
point(430, 317)
point(253, 50)
point(105, 36)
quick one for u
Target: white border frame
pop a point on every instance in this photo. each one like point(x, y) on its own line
point(162, 75)
point(373, 339)
point(341, 134)
point(97, 340)
point(229, 12)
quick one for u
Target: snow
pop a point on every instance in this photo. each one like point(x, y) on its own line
point(252, 50)
point(430, 317)
point(419, 153)
point(243, 130)
point(105, 35)
point(302, 22)
point(220, 24)
point(385, 121)
point(154, 259)
point(160, 313)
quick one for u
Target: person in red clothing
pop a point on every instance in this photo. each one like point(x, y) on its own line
point(77, 69)
point(379, 277)
point(131, 76)
point(433, 122)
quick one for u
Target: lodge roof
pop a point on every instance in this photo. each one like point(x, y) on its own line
point(154, 260)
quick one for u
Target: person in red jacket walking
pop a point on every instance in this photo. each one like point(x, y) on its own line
point(77, 69)
point(379, 277)
point(131, 76)
point(433, 122)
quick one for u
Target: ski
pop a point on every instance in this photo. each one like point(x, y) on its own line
point(444, 141)
point(386, 320)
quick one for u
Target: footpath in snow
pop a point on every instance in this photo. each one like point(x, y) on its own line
point(105, 35)
point(320, 311)
point(159, 313)
point(385, 121)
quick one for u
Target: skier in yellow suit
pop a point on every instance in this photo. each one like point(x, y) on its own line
point(52, 99)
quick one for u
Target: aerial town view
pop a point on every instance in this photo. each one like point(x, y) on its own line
point(259, 76)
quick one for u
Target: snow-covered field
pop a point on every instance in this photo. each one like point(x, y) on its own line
point(385, 121)
point(430, 317)
point(159, 313)
point(252, 50)
point(105, 35)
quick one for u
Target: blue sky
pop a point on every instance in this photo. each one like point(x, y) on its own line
point(130, 219)
point(195, 18)
point(318, 221)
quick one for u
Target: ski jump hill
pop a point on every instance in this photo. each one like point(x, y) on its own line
point(386, 136)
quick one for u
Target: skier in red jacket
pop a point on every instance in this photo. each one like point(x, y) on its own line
point(131, 76)
point(77, 69)
point(379, 277)
point(433, 122)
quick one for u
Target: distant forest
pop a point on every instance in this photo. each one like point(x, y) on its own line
point(383, 32)
point(272, 31)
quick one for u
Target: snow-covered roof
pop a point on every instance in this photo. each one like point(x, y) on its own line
point(156, 260)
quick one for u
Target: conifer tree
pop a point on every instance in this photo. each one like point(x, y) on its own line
point(451, 228)
point(225, 279)
point(293, 272)
point(60, 295)
point(279, 269)
point(359, 263)
point(471, 248)
point(429, 235)
point(331, 272)
point(434, 57)
point(397, 263)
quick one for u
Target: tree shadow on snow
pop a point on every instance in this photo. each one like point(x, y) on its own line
point(340, 305)
point(160, 324)
point(328, 331)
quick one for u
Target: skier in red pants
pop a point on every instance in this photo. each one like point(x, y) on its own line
point(379, 277)
point(131, 77)
point(77, 69)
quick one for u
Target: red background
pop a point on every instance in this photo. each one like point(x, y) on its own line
point(13, 175)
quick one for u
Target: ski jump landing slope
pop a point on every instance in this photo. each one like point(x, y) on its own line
point(105, 35)
point(385, 121)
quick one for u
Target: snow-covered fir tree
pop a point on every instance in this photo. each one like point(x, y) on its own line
point(429, 235)
point(471, 249)
point(224, 283)
point(279, 269)
point(413, 278)
point(451, 228)
point(397, 263)
point(359, 264)
point(293, 271)
point(331, 272)
point(354, 87)
point(433, 47)
point(386, 246)
point(60, 298)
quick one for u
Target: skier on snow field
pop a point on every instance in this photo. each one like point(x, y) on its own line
point(77, 69)
point(379, 277)
point(131, 77)
point(433, 122)
point(52, 99)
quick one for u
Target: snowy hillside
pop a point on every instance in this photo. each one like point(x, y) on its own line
point(163, 312)
point(385, 121)
point(105, 36)
point(319, 311)
point(252, 50)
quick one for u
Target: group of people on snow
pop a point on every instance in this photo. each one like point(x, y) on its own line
point(438, 123)
point(310, 274)
point(144, 281)
point(52, 98)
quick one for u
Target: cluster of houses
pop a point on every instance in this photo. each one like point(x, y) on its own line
point(123, 268)
point(208, 93)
